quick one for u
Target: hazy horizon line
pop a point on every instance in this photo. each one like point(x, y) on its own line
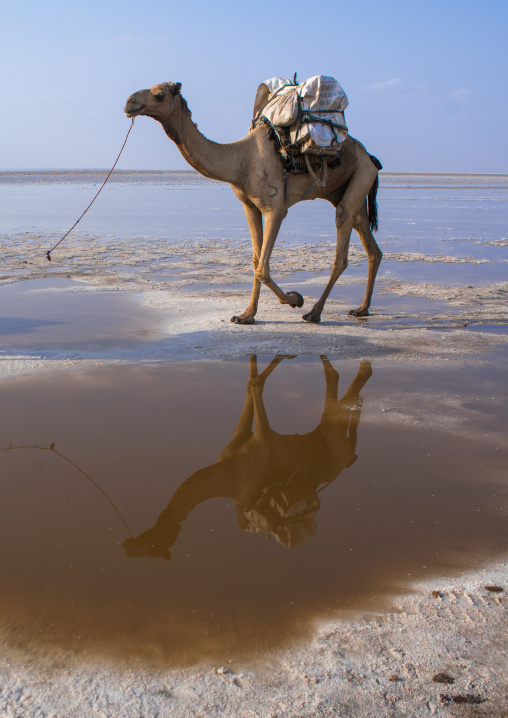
point(190, 170)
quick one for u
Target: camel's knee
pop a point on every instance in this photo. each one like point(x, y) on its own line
point(375, 256)
point(262, 275)
point(332, 380)
point(342, 216)
point(339, 266)
point(255, 384)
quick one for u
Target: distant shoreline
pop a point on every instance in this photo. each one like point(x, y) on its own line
point(194, 172)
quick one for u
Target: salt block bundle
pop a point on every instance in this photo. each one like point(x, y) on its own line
point(313, 111)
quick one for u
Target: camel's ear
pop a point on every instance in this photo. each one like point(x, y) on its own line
point(175, 88)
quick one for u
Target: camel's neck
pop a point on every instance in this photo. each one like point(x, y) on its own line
point(217, 480)
point(219, 162)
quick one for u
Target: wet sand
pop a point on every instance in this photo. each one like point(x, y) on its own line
point(126, 306)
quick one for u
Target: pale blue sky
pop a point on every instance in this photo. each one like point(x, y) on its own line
point(426, 80)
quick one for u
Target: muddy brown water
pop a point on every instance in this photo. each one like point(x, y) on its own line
point(196, 511)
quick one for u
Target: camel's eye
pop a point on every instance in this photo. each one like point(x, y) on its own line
point(159, 96)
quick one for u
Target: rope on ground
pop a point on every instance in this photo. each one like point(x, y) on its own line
point(48, 253)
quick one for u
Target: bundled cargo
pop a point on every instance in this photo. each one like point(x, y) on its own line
point(313, 111)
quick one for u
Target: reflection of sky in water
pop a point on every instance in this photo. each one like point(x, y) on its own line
point(43, 315)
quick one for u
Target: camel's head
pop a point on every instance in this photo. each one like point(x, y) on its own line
point(155, 102)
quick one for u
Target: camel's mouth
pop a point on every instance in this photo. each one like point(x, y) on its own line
point(132, 112)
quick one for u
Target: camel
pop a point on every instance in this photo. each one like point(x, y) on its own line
point(274, 479)
point(253, 169)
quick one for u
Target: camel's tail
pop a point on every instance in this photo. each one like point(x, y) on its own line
point(372, 203)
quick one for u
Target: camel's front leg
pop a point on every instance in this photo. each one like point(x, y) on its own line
point(255, 222)
point(243, 431)
point(273, 220)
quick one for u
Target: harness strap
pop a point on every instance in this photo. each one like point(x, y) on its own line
point(318, 181)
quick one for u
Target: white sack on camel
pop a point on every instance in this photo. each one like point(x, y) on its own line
point(313, 110)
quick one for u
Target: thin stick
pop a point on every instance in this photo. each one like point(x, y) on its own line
point(98, 193)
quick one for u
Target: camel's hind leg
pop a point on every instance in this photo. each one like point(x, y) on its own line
point(344, 222)
point(336, 409)
point(340, 418)
point(345, 214)
point(374, 255)
point(352, 400)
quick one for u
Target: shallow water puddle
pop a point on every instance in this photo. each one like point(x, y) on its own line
point(56, 314)
point(210, 510)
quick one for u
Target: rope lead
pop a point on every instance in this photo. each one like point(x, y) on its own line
point(48, 253)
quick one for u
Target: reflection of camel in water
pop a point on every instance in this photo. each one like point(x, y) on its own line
point(274, 479)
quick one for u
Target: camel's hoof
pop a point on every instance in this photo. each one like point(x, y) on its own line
point(242, 320)
point(310, 317)
point(359, 312)
point(296, 299)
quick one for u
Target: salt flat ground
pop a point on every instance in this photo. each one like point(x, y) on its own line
point(121, 377)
